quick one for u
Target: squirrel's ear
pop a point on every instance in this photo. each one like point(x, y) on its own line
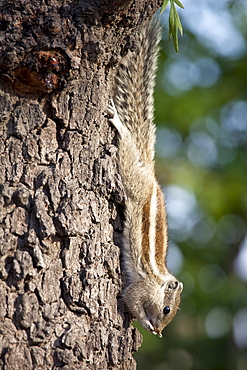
point(173, 285)
point(170, 284)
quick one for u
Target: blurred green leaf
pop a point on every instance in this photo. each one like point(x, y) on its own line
point(173, 32)
point(174, 21)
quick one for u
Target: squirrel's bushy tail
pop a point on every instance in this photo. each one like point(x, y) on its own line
point(134, 89)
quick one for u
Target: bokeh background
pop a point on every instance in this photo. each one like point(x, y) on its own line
point(201, 161)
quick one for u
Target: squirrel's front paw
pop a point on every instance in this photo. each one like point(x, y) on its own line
point(111, 110)
point(114, 119)
point(147, 325)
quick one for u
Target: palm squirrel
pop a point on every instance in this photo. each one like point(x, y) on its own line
point(152, 294)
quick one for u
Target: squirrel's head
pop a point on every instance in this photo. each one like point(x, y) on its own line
point(162, 307)
point(154, 303)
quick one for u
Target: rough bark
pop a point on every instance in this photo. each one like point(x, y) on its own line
point(60, 192)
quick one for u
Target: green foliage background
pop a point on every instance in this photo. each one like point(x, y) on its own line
point(202, 159)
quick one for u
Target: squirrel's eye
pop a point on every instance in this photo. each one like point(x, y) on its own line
point(166, 310)
point(173, 285)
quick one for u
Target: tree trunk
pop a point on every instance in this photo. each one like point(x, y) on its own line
point(61, 195)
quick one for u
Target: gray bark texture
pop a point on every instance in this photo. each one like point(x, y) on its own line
point(61, 197)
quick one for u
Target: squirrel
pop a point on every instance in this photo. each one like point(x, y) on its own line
point(152, 294)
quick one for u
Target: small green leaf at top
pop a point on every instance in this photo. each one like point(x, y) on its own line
point(174, 21)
